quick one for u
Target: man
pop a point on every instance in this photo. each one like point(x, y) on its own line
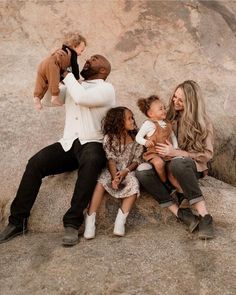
point(80, 148)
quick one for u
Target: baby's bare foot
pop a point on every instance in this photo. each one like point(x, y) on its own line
point(56, 101)
point(37, 103)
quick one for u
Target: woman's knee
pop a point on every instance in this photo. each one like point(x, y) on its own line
point(179, 166)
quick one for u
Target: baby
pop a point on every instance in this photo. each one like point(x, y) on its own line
point(155, 130)
point(51, 68)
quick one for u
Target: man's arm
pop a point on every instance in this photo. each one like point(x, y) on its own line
point(101, 95)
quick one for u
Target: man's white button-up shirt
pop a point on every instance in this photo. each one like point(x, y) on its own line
point(86, 105)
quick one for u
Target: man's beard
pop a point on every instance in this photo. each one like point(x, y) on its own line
point(88, 73)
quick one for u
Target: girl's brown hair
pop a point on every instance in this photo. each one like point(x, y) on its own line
point(113, 125)
point(145, 103)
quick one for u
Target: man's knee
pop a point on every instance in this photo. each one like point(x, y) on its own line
point(37, 163)
point(33, 163)
point(93, 159)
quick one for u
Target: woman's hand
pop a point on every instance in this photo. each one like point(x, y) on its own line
point(165, 150)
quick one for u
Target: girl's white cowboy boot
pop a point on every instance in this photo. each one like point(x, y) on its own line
point(119, 228)
point(89, 232)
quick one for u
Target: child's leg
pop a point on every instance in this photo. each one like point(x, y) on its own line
point(127, 203)
point(37, 103)
point(53, 75)
point(39, 91)
point(159, 166)
point(89, 232)
point(174, 181)
point(96, 198)
point(182, 201)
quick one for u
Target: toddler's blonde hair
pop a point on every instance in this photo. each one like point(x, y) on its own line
point(73, 39)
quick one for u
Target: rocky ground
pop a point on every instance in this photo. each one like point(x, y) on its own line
point(157, 255)
point(152, 46)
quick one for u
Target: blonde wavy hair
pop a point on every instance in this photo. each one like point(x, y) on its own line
point(193, 119)
point(73, 39)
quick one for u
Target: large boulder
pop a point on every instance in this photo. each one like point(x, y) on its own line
point(152, 45)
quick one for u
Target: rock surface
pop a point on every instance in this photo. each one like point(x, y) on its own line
point(157, 255)
point(153, 46)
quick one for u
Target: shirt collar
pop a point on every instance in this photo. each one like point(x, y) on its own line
point(94, 81)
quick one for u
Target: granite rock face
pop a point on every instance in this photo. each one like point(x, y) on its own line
point(152, 45)
point(157, 255)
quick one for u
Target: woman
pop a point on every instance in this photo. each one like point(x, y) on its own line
point(187, 164)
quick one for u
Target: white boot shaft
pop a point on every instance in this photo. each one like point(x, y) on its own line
point(119, 228)
point(89, 232)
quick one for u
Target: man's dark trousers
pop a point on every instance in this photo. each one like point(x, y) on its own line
point(89, 159)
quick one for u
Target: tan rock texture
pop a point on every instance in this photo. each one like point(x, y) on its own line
point(157, 256)
point(153, 46)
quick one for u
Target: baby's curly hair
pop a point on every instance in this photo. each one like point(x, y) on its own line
point(113, 125)
point(73, 39)
point(145, 103)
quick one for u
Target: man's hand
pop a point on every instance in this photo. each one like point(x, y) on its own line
point(64, 74)
point(66, 58)
point(61, 52)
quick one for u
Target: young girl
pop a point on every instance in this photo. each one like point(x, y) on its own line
point(153, 131)
point(118, 179)
point(51, 68)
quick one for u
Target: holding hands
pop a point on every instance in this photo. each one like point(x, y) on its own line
point(120, 175)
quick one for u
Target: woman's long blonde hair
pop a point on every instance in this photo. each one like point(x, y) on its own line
point(193, 119)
